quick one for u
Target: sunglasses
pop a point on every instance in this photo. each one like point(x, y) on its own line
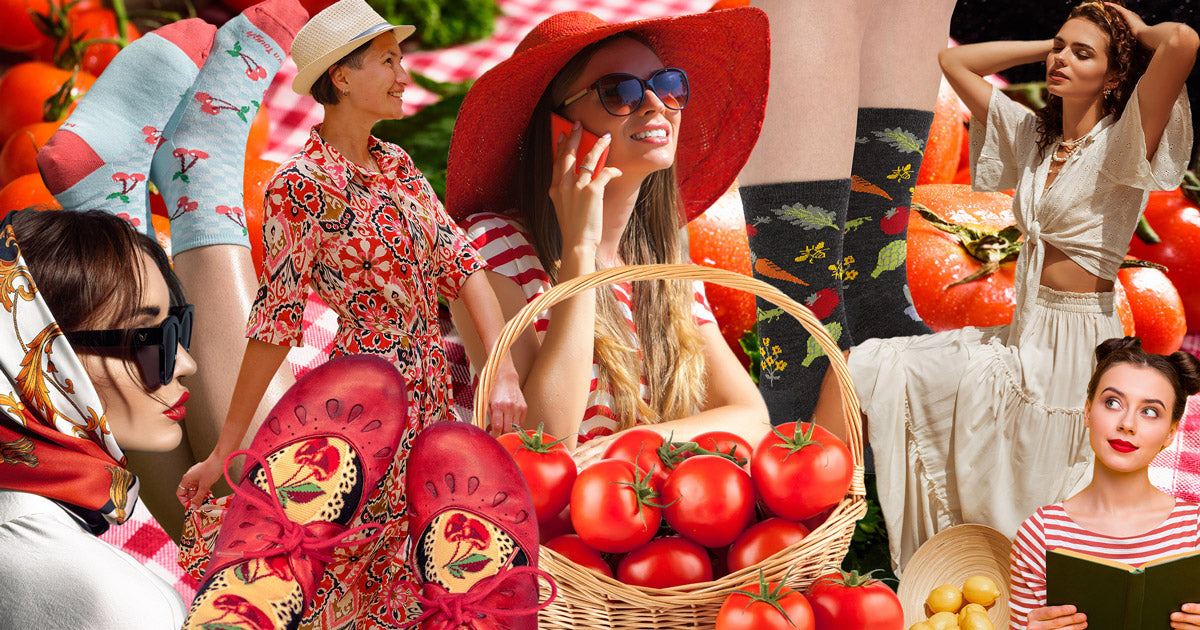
point(154, 348)
point(621, 94)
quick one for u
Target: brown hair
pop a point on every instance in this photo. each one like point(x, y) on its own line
point(1127, 60)
point(1181, 369)
point(671, 363)
point(322, 89)
point(87, 268)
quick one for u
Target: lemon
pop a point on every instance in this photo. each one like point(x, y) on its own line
point(980, 589)
point(943, 621)
point(921, 625)
point(968, 609)
point(945, 598)
point(975, 621)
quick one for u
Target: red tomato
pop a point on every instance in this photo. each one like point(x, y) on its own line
point(24, 192)
point(555, 526)
point(666, 563)
point(849, 601)
point(572, 547)
point(21, 34)
point(162, 232)
point(19, 154)
point(718, 238)
point(255, 178)
point(24, 89)
point(260, 134)
point(753, 607)
point(709, 500)
point(727, 443)
point(92, 24)
point(642, 447)
point(1157, 309)
point(613, 507)
point(801, 469)
point(942, 150)
point(762, 541)
point(547, 468)
point(1176, 220)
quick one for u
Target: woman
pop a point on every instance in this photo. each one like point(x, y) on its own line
point(590, 367)
point(1135, 401)
point(70, 411)
point(1002, 433)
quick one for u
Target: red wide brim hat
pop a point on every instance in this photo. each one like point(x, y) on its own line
point(725, 53)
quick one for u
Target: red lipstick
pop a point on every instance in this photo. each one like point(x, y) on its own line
point(1121, 446)
point(178, 410)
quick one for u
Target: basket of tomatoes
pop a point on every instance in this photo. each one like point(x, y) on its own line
point(665, 531)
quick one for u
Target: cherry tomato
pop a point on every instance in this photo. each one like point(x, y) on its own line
point(21, 33)
point(764, 606)
point(24, 89)
point(849, 601)
point(24, 192)
point(546, 466)
point(709, 500)
point(727, 443)
point(801, 469)
point(98, 24)
point(763, 540)
point(19, 154)
point(667, 562)
point(572, 547)
point(614, 508)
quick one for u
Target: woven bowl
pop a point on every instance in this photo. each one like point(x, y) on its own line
point(950, 557)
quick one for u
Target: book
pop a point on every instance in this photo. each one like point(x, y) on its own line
point(1118, 596)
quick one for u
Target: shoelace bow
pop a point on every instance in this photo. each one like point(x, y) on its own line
point(293, 536)
point(461, 608)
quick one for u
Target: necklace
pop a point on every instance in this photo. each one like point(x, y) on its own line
point(1067, 147)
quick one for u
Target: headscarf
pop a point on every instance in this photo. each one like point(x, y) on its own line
point(54, 438)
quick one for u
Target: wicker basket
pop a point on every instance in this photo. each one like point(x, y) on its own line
point(589, 600)
point(950, 557)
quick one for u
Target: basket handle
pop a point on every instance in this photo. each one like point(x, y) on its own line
point(569, 288)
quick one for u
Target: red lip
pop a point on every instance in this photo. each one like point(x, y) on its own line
point(1121, 446)
point(1056, 76)
point(178, 410)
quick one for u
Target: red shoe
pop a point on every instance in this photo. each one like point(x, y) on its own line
point(321, 454)
point(474, 532)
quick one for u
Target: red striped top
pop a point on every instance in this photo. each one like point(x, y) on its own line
point(1052, 528)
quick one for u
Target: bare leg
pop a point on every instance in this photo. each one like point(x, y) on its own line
point(899, 65)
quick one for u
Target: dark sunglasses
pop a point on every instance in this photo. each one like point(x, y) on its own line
point(154, 348)
point(621, 94)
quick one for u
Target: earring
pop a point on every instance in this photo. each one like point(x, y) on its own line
point(1107, 92)
point(347, 93)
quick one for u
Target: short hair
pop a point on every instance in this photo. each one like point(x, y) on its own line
point(322, 89)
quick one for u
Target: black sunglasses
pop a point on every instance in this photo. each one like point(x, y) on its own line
point(621, 94)
point(154, 348)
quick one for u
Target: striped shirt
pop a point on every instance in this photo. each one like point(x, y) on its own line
point(1052, 528)
point(505, 248)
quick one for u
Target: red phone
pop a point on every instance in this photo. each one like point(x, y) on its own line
point(560, 126)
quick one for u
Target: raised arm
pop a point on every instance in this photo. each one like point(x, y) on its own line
point(965, 66)
point(1174, 48)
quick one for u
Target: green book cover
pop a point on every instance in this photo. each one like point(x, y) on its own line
point(1117, 596)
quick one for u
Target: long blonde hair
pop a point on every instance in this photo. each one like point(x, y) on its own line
point(672, 363)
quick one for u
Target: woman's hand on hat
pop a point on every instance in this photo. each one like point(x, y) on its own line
point(579, 197)
point(1056, 618)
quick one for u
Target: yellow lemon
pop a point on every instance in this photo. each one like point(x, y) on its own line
point(921, 625)
point(976, 621)
point(945, 598)
point(944, 621)
point(968, 609)
point(980, 589)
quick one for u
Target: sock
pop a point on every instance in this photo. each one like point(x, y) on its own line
point(199, 167)
point(887, 157)
point(101, 155)
point(795, 233)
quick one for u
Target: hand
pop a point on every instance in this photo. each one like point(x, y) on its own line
point(1136, 25)
point(579, 199)
point(506, 403)
point(591, 451)
point(193, 488)
point(1056, 618)
point(1188, 618)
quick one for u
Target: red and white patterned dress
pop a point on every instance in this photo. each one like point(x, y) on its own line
point(1052, 528)
point(505, 246)
point(378, 248)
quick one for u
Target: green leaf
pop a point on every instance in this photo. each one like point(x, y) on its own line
point(890, 257)
point(113, 196)
point(241, 572)
point(125, 198)
point(219, 626)
point(439, 23)
point(749, 344)
point(900, 140)
point(302, 493)
point(242, 113)
point(806, 217)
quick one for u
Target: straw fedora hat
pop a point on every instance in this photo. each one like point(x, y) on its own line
point(725, 53)
point(335, 33)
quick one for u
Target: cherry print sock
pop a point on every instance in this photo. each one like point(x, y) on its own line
point(100, 157)
point(199, 167)
point(887, 158)
point(795, 231)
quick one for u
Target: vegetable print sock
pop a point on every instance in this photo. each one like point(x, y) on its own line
point(795, 233)
point(100, 157)
point(887, 158)
point(199, 167)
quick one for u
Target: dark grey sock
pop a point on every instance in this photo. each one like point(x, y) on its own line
point(795, 231)
point(887, 158)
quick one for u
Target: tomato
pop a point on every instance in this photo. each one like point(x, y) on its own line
point(24, 89)
point(1157, 309)
point(642, 447)
point(24, 192)
point(942, 150)
point(765, 606)
point(572, 547)
point(709, 500)
point(849, 601)
point(260, 134)
point(96, 23)
point(763, 540)
point(717, 238)
point(21, 33)
point(162, 231)
point(20, 152)
point(546, 466)
point(555, 526)
point(801, 469)
point(613, 507)
point(258, 174)
point(727, 443)
point(667, 562)
point(1176, 220)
